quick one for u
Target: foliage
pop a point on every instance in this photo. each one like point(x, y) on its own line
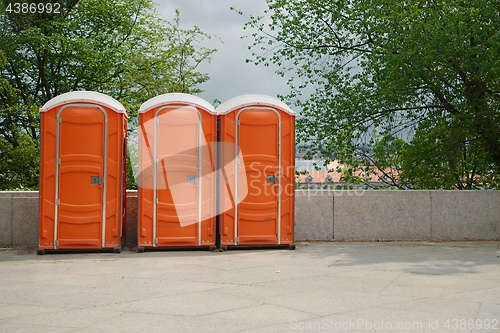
point(118, 47)
point(418, 82)
point(19, 164)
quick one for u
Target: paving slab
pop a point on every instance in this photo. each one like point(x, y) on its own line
point(319, 287)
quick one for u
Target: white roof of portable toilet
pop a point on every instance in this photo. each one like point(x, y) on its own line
point(254, 99)
point(84, 96)
point(179, 98)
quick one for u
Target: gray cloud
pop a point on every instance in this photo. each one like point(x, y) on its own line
point(230, 75)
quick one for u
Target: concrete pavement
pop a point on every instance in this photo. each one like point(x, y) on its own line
point(319, 287)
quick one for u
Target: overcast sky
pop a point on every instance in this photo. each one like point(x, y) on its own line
point(230, 75)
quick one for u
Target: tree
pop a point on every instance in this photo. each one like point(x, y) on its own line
point(118, 47)
point(421, 75)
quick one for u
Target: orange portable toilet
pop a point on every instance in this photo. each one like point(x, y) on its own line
point(257, 195)
point(176, 173)
point(82, 173)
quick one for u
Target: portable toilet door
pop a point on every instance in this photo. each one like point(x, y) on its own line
point(176, 173)
point(257, 195)
point(82, 173)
